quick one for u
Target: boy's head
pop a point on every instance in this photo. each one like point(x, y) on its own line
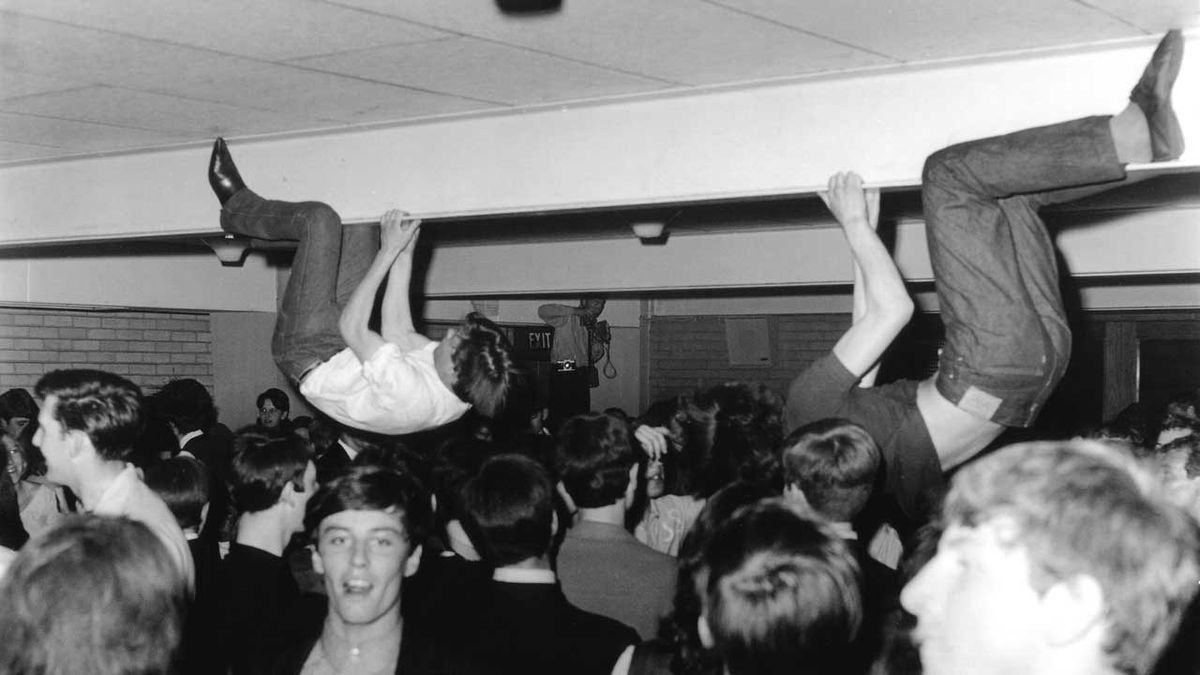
point(474, 360)
point(367, 527)
point(182, 482)
point(783, 593)
point(273, 407)
point(270, 470)
point(186, 404)
point(833, 464)
point(510, 510)
point(85, 416)
point(594, 460)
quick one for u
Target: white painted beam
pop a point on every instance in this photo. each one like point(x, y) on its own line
point(780, 139)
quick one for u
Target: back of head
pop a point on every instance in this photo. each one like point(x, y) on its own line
point(510, 509)
point(262, 465)
point(1086, 509)
point(93, 595)
point(748, 427)
point(186, 404)
point(783, 593)
point(593, 458)
point(17, 403)
point(834, 462)
point(107, 407)
point(182, 482)
point(372, 487)
point(482, 365)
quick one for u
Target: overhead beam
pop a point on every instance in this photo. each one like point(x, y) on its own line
point(768, 140)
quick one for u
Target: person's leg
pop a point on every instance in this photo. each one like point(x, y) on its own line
point(306, 331)
point(1007, 342)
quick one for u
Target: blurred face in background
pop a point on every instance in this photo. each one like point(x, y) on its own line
point(269, 416)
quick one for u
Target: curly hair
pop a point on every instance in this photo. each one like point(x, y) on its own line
point(483, 366)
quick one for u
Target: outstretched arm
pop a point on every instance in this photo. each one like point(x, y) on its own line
point(882, 306)
point(397, 235)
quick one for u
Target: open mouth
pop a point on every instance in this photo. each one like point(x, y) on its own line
point(357, 587)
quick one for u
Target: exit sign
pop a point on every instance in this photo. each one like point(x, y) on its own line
point(532, 343)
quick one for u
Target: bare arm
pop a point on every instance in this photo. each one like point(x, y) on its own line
point(882, 305)
point(397, 235)
point(396, 321)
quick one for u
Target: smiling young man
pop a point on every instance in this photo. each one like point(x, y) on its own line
point(367, 526)
point(1059, 558)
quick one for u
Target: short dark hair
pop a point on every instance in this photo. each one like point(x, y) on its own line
point(372, 487)
point(18, 402)
point(92, 595)
point(106, 407)
point(510, 509)
point(835, 463)
point(182, 482)
point(784, 593)
point(277, 398)
point(186, 404)
point(483, 367)
point(593, 457)
point(263, 465)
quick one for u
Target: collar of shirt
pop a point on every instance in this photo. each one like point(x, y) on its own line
point(183, 440)
point(521, 575)
point(118, 487)
point(350, 452)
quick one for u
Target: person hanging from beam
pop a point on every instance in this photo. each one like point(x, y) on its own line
point(395, 381)
point(1007, 340)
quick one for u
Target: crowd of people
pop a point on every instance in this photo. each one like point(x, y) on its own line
point(424, 522)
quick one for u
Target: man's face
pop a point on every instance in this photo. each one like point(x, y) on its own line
point(443, 357)
point(976, 609)
point(54, 442)
point(364, 556)
point(269, 416)
point(15, 425)
point(1170, 434)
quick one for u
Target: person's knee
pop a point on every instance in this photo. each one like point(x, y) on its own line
point(939, 167)
point(320, 214)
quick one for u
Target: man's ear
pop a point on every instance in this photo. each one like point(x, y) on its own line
point(414, 562)
point(706, 636)
point(631, 489)
point(288, 494)
point(553, 523)
point(80, 445)
point(794, 495)
point(1074, 609)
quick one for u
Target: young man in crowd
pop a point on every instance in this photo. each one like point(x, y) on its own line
point(523, 623)
point(273, 480)
point(602, 568)
point(94, 595)
point(188, 408)
point(1057, 557)
point(782, 595)
point(1007, 340)
point(367, 526)
point(87, 426)
point(273, 406)
point(395, 381)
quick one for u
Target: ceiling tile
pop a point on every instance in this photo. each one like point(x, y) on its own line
point(681, 41)
point(916, 30)
point(76, 136)
point(22, 152)
point(484, 70)
point(346, 100)
point(14, 84)
point(123, 107)
point(266, 29)
point(1155, 16)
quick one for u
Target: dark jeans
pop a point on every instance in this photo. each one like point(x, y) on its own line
point(329, 264)
point(1007, 340)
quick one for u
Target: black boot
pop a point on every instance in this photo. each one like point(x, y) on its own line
point(222, 173)
point(1153, 95)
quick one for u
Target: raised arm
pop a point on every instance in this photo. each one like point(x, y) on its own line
point(397, 237)
point(882, 306)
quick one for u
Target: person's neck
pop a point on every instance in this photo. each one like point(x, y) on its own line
point(613, 514)
point(264, 530)
point(349, 647)
point(96, 482)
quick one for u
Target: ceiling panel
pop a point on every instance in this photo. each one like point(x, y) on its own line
point(680, 41)
point(155, 111)
point(484, 70)
point(902, 29)
point(22, 152)
point(14, 84)
point(267, 29)
point(73, 136)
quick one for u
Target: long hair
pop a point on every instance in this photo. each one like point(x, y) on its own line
point(483, 366)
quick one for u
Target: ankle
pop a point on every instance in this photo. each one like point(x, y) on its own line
point(1131, 135)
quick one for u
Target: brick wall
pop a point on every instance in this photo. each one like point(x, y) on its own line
point(149, 348)
point(690, 352)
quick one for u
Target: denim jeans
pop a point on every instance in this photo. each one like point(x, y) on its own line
point(330, 262)
point(1007, 340)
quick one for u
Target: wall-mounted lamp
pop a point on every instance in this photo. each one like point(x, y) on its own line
point(230, 249)
point(648, 230)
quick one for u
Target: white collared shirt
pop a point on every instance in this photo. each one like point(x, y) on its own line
point(523, 575)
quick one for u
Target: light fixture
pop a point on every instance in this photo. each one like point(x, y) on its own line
point(648, 229)
point(230, 249)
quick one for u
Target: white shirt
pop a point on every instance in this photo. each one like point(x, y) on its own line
point(393, 392)
point(128, 496)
